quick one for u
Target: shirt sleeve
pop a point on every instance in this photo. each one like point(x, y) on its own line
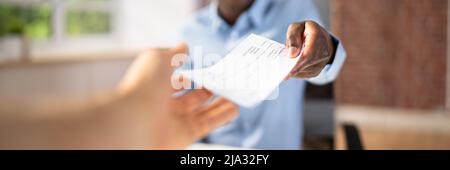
point(331, 71)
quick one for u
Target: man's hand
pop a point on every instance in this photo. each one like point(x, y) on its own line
point(312, 43)
point(197, 118)
point(140, 114)
point(173, 122)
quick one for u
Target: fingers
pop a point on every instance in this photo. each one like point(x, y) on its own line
point(315, 51)
point(191, 101)
point(180, 48)
point(310, 72)
point(300, 37)
point(212, 108)
point(294, 38)
point(180, 83)
point(316, 63)
point(217, 114)
point(225, 114)
point(312, 34)
point(178, 55)
point(203, 121)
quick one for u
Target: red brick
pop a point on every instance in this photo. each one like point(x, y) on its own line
point(396, 52)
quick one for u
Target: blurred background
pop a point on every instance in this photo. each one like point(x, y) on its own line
point(393, 91)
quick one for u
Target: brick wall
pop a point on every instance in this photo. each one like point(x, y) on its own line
point(396, 52)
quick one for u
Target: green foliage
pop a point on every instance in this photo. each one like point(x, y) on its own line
point(33, 22)
point(92, 22)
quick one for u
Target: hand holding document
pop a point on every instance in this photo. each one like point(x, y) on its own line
point(248, 74)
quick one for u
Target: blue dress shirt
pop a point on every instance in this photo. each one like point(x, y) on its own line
point(273, 124)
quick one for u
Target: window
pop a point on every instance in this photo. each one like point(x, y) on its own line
point(56, 19)
point(57, 25)
point(88, 17)
point(72, 28)
point(31, 19)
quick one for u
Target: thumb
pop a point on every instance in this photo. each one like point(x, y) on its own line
point(180, 48)
point(294, 38)
point(178, 54)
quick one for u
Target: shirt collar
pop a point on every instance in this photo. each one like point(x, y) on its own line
point(254, 16)
point(217, 23)
point(258, 11)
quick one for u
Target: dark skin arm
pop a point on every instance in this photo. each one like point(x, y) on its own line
point(313, 44)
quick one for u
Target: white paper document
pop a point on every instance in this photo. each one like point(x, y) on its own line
point(249, 74)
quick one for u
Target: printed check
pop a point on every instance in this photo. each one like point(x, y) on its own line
point(249, 74)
